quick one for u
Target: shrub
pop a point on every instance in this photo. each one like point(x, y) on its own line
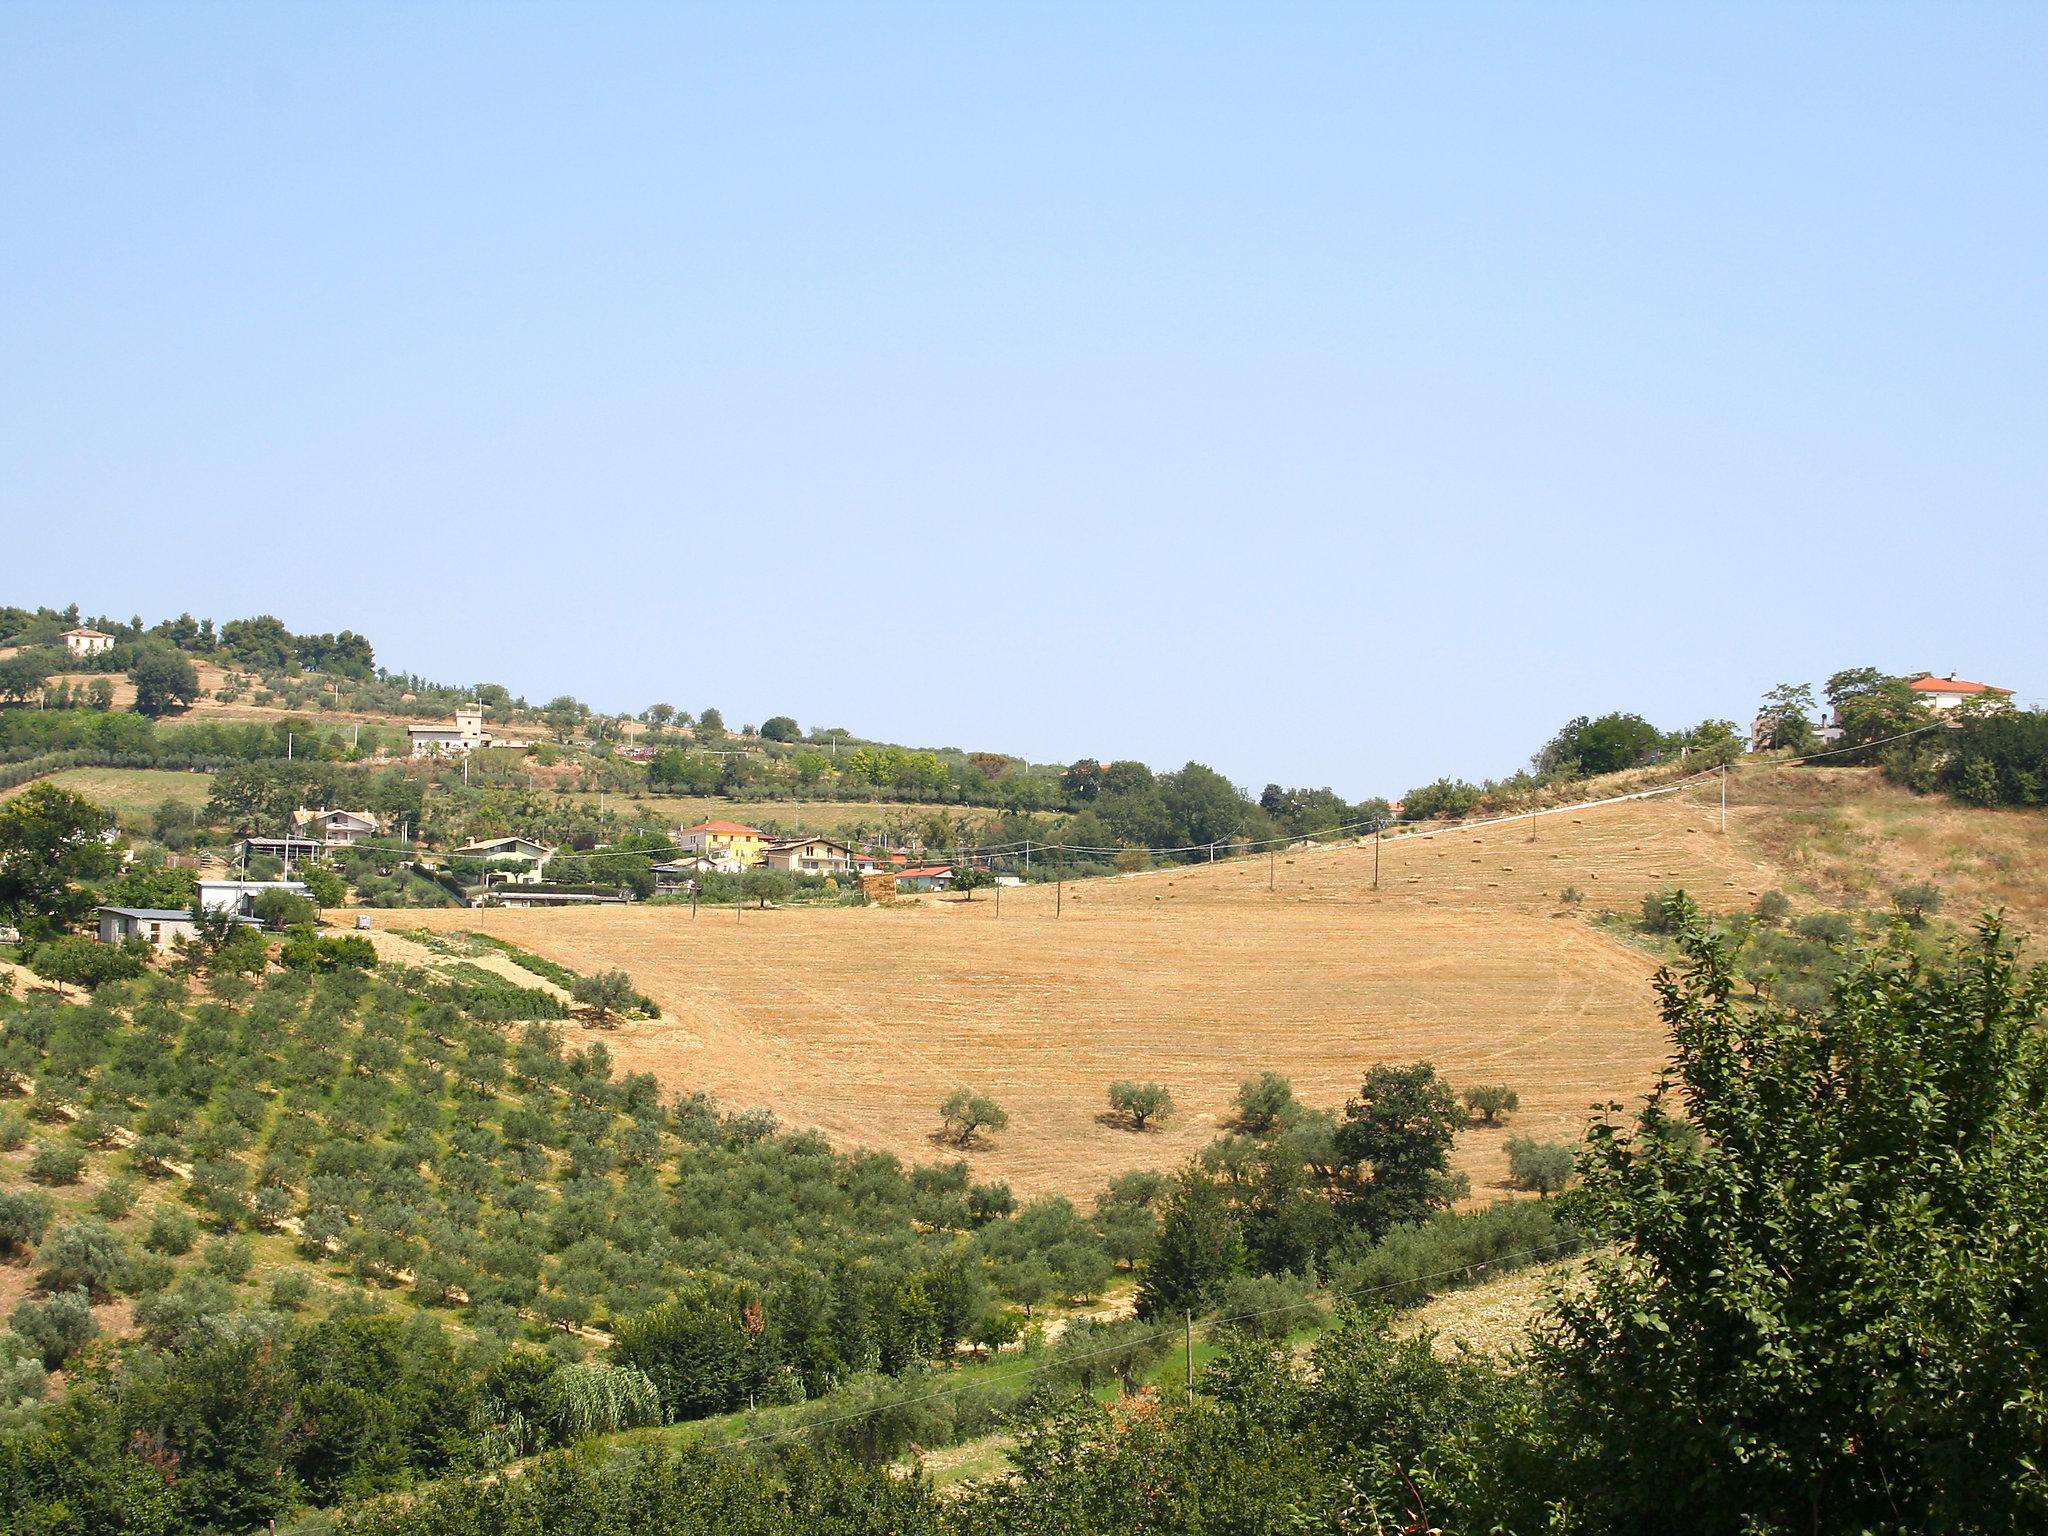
point(172, 1229)
point(1772, 908)
point(1917, 901)
point(290, 1290)
point(1571, 896)
point(116, 1198)
point(56, 1162)
point(1544, 1166)
point(1138, 1104)
point(24, 1218)
point(13, 1128)
point(84, 1252)
point(600, 1400)
point(229, 1257)
point(1265, 1306)
point(1492, 1101)
point(1264, 1103)
point(1415, 1262)
point(55, 1326)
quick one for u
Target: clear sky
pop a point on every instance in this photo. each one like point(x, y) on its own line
point(1335, 394)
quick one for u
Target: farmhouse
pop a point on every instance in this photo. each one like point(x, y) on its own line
point(336, 829)
point(809, 856)
point(465, 735)
point(724, 839)
point(1943, 694)
point(158, 925)
point(237, 898)
point(879, 863)
point(87, 642)
point(924, 877)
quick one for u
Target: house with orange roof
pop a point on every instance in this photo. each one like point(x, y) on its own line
point(724, 840)
point(1942, 694)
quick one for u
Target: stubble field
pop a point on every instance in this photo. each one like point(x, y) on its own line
point(858, 1021)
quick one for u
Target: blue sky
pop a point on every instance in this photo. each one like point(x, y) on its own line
point(1334, 394)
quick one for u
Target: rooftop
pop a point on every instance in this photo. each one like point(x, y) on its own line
point(1953, 684)
point(150, 914)
point(729, 828)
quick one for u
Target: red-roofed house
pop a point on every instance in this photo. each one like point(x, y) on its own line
point(1946, 693)
point(924, 877)
point(723, 840)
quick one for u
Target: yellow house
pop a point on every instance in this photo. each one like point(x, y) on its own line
point(724, 840)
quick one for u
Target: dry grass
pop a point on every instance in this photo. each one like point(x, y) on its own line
point(1845, 836)
point(1492, 1319)
point(130, 791)
point(858, 1021)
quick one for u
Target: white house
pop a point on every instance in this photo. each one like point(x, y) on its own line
point(505, 848)
point(159, 925)
point(87, 642)
point(336, 829)
point(237, 898)
point(1942, 694)
point(465, 735)
point(809, 856)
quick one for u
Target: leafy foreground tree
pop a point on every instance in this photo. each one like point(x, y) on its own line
point(1826, 1312)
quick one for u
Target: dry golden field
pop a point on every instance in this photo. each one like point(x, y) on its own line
point(858, 1021)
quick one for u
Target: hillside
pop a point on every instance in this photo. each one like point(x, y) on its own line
point(859, 1021)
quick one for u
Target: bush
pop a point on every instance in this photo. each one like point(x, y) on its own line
point(1544, 1166)
point(1265, 1306)
point(24, 1218)
point(1917, 901)
point(55, 1326)
point(1772, 908)
point(116, 1198)
point(82, 1253)
point(56, 1162)
point(1415, 1262)
point(172, 1229)
point(13, 1128)
point(290, 1290)
point(1264, 1103)
point(1492, 1101)
point(229, 1257)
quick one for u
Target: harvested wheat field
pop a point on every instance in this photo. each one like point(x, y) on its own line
point(858, 1021)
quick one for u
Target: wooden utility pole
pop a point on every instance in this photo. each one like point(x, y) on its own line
point(1376, 831)
point(1188, 1350)
point(1272, 863)
point(1059, 878)
point(1724, 799)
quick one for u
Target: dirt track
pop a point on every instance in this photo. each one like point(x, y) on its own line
point(859, 1021)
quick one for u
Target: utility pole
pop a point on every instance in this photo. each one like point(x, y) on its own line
point(1188, 1350)
point(1059, 878)
point(1724, 799)
point(1376, 831)
point(1272, 863)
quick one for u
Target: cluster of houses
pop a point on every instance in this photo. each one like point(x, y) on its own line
point(727, 848)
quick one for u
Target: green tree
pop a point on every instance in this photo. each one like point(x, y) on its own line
point(1871, 708)
point(1544, 1166)
point(1822, 1313)
point(1395, 1141)
point(51, 840)
point(604, 993)
point(969, 877)
point(1490, 1101)
point(1785, 723)
point(762, 886)
point(81, 962)
point(780, 728)
point(165, 682)
point(1264, 1103)
point(83, 1252)
point(1200, 1247)
point(278, 910)
point(23, 674)
point(965, 1114)
point(1139, 1104)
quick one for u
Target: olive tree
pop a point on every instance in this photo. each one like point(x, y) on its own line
point(1139, 1104)
point(966, 1114)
